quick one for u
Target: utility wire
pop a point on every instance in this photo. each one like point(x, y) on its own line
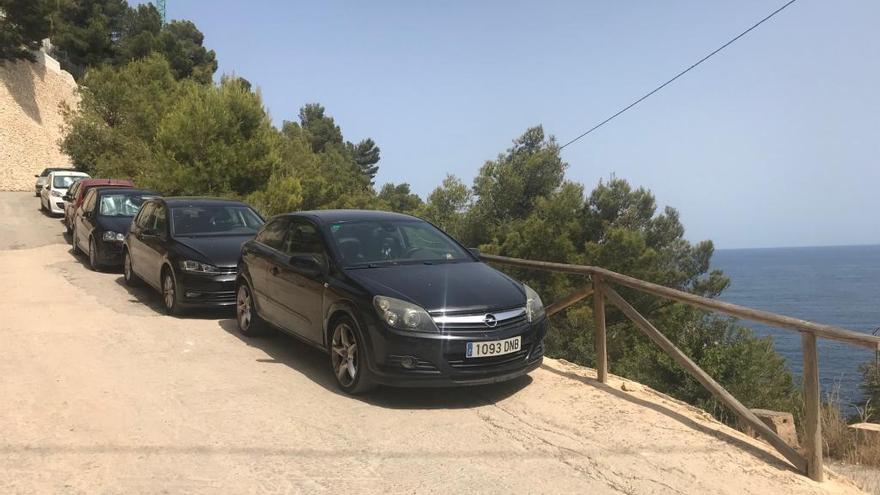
point(658, 88)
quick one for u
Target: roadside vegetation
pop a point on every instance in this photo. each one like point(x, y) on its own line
point(152, 111)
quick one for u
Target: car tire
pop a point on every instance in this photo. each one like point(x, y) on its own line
point(67, 226)
point(42, 206)
point(250, 324)
point(75, 248)
point(170, 294)
point(131, 278)
point(348, 360)
point(94, 264)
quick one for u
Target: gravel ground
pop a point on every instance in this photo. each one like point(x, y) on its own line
point(104, 394)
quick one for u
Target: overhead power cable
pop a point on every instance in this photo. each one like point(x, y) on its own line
point(658, 88)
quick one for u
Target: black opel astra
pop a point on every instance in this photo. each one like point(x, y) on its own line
point(391, 298)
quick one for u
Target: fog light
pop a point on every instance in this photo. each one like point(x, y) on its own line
point(191, 293)
point(408, 362)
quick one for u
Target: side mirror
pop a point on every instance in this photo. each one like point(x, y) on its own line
point(37, 175)
point(475, 252)
point(306, 264)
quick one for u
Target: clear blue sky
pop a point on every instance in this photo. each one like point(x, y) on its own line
point(773, 142)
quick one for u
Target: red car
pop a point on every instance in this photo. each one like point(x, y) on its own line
point(74, 198)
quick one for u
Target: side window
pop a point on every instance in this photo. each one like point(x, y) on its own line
point(145, 216)
point(303, 239)
point(160, 216)
point(89, 202)
point(272, 234)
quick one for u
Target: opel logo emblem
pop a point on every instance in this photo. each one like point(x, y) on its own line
point(490, 320)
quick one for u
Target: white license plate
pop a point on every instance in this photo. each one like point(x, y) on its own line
point(494, 348)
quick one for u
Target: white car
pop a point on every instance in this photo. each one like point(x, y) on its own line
point(57, 184)
point(43, 176)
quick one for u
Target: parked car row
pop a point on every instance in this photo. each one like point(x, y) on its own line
point(391, 298)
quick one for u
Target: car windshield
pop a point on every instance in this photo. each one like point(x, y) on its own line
point(47, 171)
point(122, 204)
point(372, 243)
point(64, 181)
point(214, 220)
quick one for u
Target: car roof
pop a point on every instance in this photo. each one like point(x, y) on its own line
point(200, 201)
point(336, 216)
point(106, 182)
point(69, 172)
point(131, 190)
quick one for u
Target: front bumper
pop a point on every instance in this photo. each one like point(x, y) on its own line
point(206, 290)
point(56, 205)
point(109, 253)
point(440, 358)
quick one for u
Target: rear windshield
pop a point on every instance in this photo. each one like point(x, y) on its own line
point(122, 204)
point(214, 220)
point(65, 181)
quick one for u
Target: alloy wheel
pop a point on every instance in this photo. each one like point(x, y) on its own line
point(344, 352)
point(244, 308)
point(168, 291)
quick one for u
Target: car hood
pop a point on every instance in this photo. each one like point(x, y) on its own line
point(218, 250)
point(116, 224)
point(467, 286)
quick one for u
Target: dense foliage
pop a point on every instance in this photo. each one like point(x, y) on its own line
point(521, 205)
point(23, 25)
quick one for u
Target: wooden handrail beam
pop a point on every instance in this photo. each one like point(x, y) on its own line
point(568, 300)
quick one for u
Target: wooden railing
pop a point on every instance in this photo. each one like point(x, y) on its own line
point(601, 289)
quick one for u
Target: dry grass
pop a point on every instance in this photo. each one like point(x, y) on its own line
point(843, 443)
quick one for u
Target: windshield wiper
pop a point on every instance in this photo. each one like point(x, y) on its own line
point(366, 265)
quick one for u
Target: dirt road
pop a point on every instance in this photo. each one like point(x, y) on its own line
point(101, 393)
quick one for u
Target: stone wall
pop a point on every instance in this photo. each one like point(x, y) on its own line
point(31, 95)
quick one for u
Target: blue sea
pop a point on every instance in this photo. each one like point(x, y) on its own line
point(834, 285)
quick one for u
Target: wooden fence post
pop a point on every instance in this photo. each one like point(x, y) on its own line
point(599, 323)
point(812, 417)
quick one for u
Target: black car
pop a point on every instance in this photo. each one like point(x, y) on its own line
point(100, 224)
point(188, 249)
point(392, 298)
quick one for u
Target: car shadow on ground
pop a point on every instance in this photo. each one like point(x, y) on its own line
point(315, 365)
point(149, 297)
point(681, 418)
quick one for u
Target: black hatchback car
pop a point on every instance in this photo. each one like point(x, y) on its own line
point(100, 224)
point(188, 249)
point(392, 299)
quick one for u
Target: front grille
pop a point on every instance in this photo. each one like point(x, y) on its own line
point(211, 297)
point(459, 362)
point(227, 269)
point(450, 325)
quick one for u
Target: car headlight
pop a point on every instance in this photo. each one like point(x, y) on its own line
point(534, 306)
point(403, 315)
point(195, 266)
point(111, 236)
point(55, 193)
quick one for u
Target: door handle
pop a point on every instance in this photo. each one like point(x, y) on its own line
point(275, 270)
